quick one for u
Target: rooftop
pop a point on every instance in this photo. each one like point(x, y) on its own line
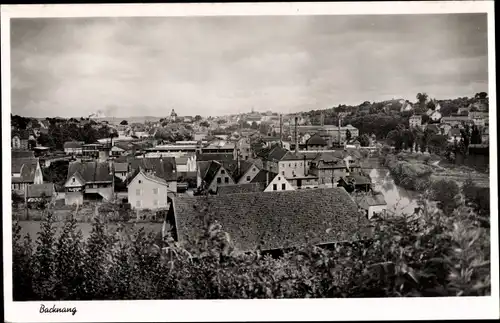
point(273, 220)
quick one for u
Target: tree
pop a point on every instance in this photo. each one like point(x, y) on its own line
point(364, 140)
point(475, 135)
point(445, 193)
point(481, 95)
point(124, 122)
point(204, 124)
point(197, 118)
point(422, 98)
point(254, 125)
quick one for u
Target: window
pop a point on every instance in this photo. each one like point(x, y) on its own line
point(219, 180)
point(248, 178)
point(140, 182)
point(283, 173)
point(295, 165)
point(222, 171)
point(300, 164)
point(138, 192)
point(73, 180)
point(275, 187)
point(138, 204)
point(289, 165)
point(279, 178)
point(283, 187)
point(155, 191)
point(226, 180)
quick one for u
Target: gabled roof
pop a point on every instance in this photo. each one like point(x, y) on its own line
point(149, 176)
point(241, 188)
point(72, 144)
point(40, 190)
point(316, 140)
point(214, 156)
point(162, 167)
point(261, 177)
point(91, 171)
point(273, 220)
point(17, 163)
point(208, 171)
point(276, 153)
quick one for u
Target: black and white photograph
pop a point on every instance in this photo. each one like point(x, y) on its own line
point(253, 156)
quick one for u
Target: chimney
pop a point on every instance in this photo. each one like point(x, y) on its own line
point(305, 167)
point(340, 125)
point(267, 178)
point(322, 119)
point(296, 135)
point(281, 130)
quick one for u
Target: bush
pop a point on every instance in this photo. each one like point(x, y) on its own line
point(431, 255)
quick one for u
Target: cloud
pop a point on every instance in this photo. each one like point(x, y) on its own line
point(220, 65)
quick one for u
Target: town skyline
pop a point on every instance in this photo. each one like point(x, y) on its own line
point(214, 66)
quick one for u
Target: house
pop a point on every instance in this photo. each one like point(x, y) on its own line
point(445, 128)
point(355, 183)
point(122, 149)
point(435, 116)
point(121, 170)
point(24, 172)
point(73, 148)
point(272, 181)
point(220, 146)
point(88, 181)
point(455, 135)
point(164, 168)
point(415, 121)
point(243, 148)
point(186, 163)
point(148, 191)
point(91, 151)
point(455, 120)
point(372, 204)
point(212, 174)
point(316, 142)
point(40, 192)
point(271, 220)
point(21, 139)
point(329, 167)
point(406, 106)
point(241, 188)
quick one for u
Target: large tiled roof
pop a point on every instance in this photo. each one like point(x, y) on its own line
point(241, 188)
point(214, 156)
point(120, 167)
point(273, 220)
point(91, 171)
point(18, 162)
point(23, 154)
point(40, 190)
point(162, 167)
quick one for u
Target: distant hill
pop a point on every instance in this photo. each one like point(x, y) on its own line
point(117, 120)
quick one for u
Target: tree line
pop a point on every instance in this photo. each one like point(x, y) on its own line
point(438, 253)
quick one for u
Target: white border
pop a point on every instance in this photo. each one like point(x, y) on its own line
point(250, 310)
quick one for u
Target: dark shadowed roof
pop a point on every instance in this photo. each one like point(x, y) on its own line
point(316, 140)
point(162, 167)
point(273, 220)
point(40, 190)
point(241, 188)
point(214, 156)
point(261, 177)
point(360, 179)
point(91, 171)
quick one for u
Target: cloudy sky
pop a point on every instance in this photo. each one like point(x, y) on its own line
point(221, 65)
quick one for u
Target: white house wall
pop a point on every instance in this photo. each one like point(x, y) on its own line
point(279, 181)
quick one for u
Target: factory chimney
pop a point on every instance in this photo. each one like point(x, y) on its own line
point(340, 125)
point(296, 135)
point(281, 130)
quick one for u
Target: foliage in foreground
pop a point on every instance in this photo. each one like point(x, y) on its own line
point(435, 254)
